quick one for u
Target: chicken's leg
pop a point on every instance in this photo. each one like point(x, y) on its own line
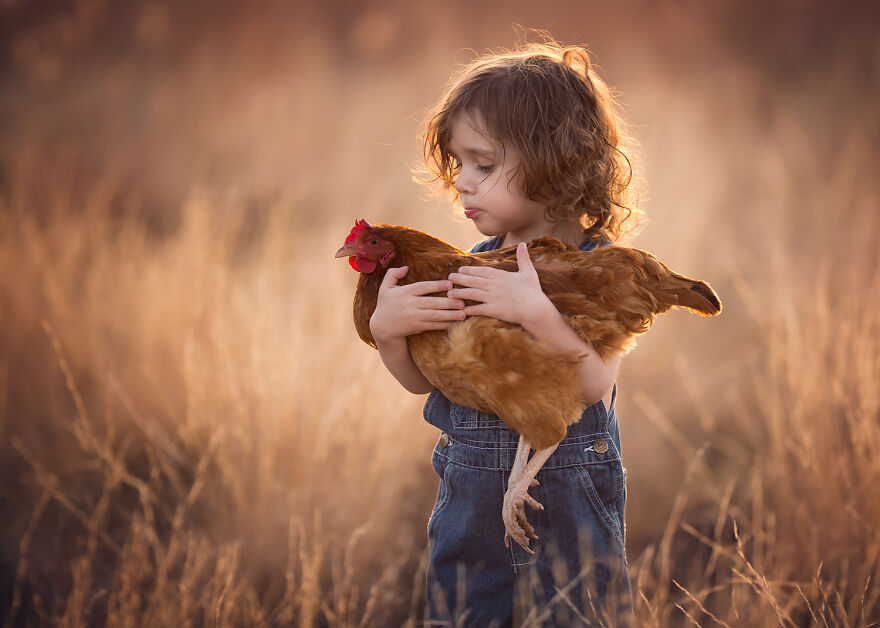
point(519, 462)
point(522, 476)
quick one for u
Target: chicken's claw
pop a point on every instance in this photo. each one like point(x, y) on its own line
point(513, 512)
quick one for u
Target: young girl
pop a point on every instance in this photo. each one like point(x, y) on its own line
point(528, 143)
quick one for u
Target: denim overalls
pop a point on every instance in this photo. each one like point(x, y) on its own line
point(472, 577)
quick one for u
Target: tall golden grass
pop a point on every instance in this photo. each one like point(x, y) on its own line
point(194, 435)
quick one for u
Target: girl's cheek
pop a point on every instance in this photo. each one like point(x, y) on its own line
point(515, 184)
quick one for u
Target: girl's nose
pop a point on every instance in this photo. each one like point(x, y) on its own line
point(465, 184)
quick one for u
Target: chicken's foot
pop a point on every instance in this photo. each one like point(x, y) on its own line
point(522, 476)
point(519, 465)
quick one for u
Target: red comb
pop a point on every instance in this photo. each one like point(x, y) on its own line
point(359, 225)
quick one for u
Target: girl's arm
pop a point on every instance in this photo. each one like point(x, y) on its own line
point(596, 375)
point(405, 310)
point(397, 359)
point(518, 298)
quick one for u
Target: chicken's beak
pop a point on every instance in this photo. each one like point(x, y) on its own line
point(345, 251)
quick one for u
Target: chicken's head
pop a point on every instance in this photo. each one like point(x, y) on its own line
point(365, 249)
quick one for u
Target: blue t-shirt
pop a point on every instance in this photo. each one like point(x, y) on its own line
point(493, 243)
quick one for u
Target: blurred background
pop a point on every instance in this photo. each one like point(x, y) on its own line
point(191, 432)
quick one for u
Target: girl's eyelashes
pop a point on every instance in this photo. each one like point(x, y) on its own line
point(457, 165)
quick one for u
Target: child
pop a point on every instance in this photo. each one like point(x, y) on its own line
point(528, 143)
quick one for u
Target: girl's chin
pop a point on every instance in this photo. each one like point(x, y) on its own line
point(485, 227)
point(489, 233)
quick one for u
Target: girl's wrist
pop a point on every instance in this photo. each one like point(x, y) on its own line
point(388, 340)
point(549, 325)
point(380, 334)
point(540, 316)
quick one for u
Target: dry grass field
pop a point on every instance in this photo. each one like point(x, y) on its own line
point(191, 433)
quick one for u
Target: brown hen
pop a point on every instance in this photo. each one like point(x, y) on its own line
point(608, 295)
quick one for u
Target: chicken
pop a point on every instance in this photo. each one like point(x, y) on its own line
point(608, 295)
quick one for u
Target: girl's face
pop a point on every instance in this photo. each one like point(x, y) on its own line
point(488, 185)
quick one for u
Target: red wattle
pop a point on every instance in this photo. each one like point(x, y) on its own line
point(362, 265)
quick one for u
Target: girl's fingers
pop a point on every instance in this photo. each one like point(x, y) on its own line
point(481, 271)
point(522, 257)
point(478, 310)
point(469, 281)
point(422, 288)
point(441, 315)
point(439, 303)
point(393, 276)
point(474, 294)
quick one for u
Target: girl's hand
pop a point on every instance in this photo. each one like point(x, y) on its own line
point(405, 310)
point(512, 297)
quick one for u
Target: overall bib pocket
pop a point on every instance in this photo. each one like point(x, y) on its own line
point(603, 484)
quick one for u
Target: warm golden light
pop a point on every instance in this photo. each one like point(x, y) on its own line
point(192, 433)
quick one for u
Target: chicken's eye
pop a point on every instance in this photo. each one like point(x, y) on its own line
point(374, 241)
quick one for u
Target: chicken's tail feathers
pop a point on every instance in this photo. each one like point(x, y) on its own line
point(695, 295)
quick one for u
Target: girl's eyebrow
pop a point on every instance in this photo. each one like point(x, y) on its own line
point(488, 154)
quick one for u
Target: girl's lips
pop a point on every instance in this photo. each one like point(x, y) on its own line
point(470, 213)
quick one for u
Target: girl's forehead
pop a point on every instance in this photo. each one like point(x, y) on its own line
point(470, 133)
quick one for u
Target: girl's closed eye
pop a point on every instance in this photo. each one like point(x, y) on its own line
point(457, 166)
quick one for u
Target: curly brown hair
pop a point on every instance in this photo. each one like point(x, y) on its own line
point(547, 102)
